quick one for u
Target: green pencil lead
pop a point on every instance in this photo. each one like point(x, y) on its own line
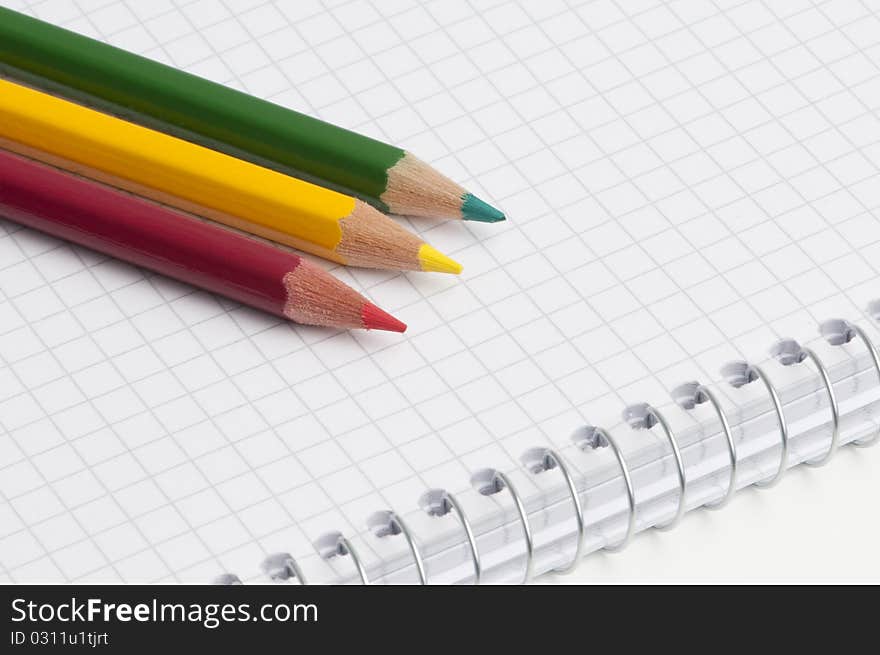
point(474, 209)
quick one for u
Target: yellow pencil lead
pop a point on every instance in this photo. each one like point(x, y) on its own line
point(432, 260)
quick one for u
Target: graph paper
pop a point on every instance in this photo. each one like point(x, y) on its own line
point(685, 182)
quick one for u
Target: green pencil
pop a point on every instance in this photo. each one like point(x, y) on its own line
point(190, 107)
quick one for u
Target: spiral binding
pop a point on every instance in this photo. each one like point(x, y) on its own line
point(688, 396)
point(591, 438)
point(439, 502)
point(336, 544)
point(227, 579)
point(387, 523)
point(545, 459)
point(644, 416)
point(738, 375)
point(281, 567)
point(789, 352)
point(489, 482)
point(839, 332)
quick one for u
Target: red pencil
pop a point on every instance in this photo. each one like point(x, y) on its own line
point(180, 246)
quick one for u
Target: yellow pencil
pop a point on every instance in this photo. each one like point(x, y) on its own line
point(203, 181)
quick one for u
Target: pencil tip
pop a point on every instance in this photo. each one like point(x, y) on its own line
point(474, 209)
point(378, 319)
point(432, 260)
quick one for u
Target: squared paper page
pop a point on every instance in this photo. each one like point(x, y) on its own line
point(685, 182)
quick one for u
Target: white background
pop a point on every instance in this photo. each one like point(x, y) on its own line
point(685, 182)
point(816, 526)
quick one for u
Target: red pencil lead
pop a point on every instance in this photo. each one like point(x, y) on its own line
point(377, 319)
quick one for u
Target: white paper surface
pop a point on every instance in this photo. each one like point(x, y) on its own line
point(685, 182)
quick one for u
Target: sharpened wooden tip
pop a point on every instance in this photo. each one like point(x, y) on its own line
point(416, 189)
point(315, 297)
point(372, 240)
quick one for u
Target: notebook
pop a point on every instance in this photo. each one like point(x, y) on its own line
point(686, 183)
